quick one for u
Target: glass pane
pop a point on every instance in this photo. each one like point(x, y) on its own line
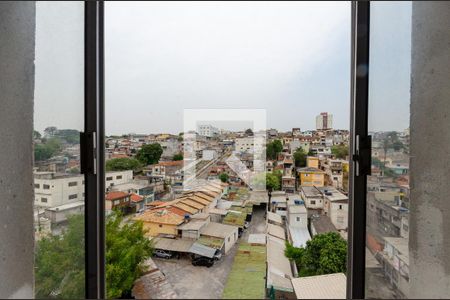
point(388, 198)
point(58, 119)
point(228, 125)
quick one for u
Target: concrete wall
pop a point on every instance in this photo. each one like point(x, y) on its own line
point(430, 135)
point(17, 36)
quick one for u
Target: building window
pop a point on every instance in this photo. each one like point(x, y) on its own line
point(119, 177)
point(313, 202)
point(73, 196)
point(228, 239)
point(108, 178)
point(298, 219)
point(160, 225)
point(340, 206)
point(44, 200)
point(73, 183)
point(36, 185)
point(46, 186)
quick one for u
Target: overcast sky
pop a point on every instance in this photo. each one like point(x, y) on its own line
point(292, 59)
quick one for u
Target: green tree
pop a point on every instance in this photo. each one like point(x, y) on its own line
point(324, 254)
point(300, 158)
point(273, 180)
point(340, 151)
point(60, 259)
point(224, 177)
point(126, 248)
point(249, 132)
point(273, 148)
point(150, 154)
point(71, 136)
point(122, 164)
point(178, 156)
point(36, 134)
point(47, 149)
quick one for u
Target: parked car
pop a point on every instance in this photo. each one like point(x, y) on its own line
point(203, 261)
point(218, 255)
point(163, 254)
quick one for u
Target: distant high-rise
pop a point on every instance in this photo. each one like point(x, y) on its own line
point(324, 121)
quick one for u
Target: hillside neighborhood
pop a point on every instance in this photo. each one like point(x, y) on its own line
point(220, 237)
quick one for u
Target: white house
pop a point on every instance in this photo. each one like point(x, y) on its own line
point(52, 189)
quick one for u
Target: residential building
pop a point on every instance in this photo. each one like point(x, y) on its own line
point(395, 262)
point(288, 178)
point(207, 131)
point(296, 132)
point(215, 234)
point(209, 154)
point(118, 200)
point(310, 176)
point(335, 207)
point(54, 189)
point(244, 144)
point(164, 170)
point(297, 223)
point(324, 121)
point(312, 197)
point(312, 162)
point(161, 222)
point(118, 177)
point(59, 214)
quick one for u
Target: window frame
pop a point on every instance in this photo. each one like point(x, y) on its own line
point(360, 149)
point(92, 150)
point(93, 158)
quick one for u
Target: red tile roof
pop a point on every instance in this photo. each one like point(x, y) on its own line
point(136, 198)
point(116, 195)
point(170, 163)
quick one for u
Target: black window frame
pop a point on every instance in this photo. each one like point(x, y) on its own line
point(93, 158)
point(92, 150)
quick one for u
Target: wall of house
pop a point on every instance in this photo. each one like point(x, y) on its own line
point(155, 229)
point(228, 244)
point(429, 238)
point(17, 36)
point(339, 215)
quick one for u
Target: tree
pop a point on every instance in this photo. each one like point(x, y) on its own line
point(122, 164)
point(60, 263)
point(224, 177)
point(300, 158)
point(47, 149)
point(71, 136)
point(36, 134)
point(150, 154)
point(273, 181)
point(249, 132)
point(126, 248)
point(273, 148)
point(340, 151)
point(60, 259)
point(50, 131)
point(324, 254)
point(178, 156)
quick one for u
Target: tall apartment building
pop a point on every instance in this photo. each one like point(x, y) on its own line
point(207, 130)
point(324, 121)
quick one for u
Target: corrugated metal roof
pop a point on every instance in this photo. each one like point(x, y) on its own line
point(178, 245)
point(202, 250)
point(331, 286)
